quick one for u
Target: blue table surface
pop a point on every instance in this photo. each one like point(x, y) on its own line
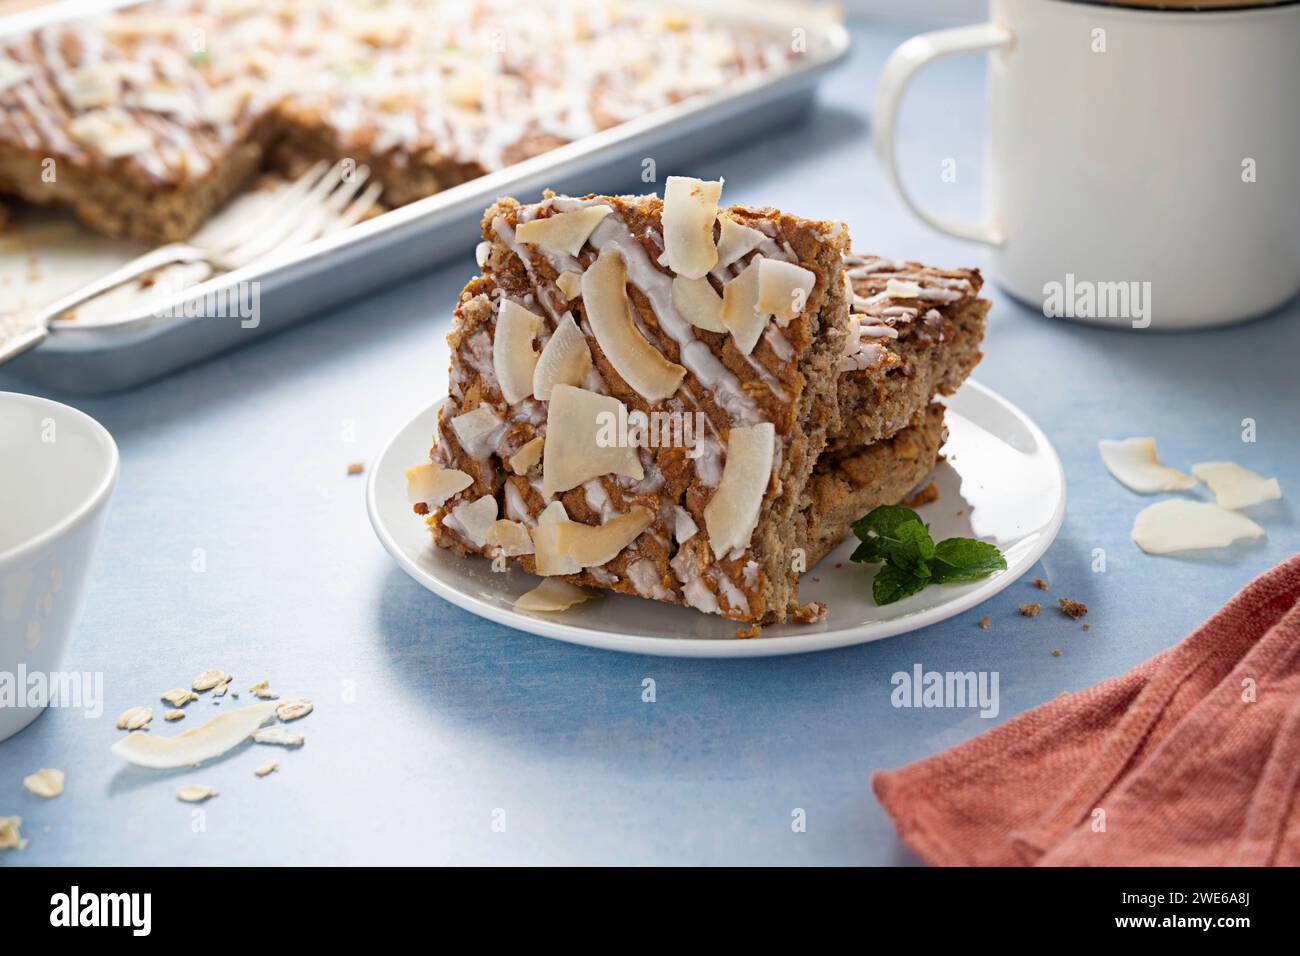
point(431, 725)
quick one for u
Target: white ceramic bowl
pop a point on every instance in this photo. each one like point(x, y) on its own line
point(58, 467)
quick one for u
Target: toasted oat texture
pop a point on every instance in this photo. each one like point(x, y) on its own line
point(133, 718)
point(850, 483)
point(195, 793)
point(294, 709)
point(150, 135)
point(45, 782)
point(262, 690)
point(210, 679)
point(277, 734)
point(179, 696)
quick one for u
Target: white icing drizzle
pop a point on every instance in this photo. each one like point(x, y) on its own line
point(860, 266)
point(479, 356)
point(734, 595)
point(530, 411)
point(516, 507)
point(602, 576)
point(780, 345)
point(707, 456)
point(940, 295)
point(598, 500)
point(645, 578)
point(506, 233)
point(767, 378)
point(694, 591)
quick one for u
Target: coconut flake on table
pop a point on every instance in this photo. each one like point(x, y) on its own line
point(204, 742)
point(1177, 524)
point(1234, 486)
point(1134, 463)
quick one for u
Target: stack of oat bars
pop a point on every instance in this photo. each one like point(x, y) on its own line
point(684, 401)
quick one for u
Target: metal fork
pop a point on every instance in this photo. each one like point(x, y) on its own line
point(323, 200)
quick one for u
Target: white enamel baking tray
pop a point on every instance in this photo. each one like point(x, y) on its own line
point(135, 341)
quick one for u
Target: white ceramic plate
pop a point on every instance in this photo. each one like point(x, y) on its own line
point(1002, 482)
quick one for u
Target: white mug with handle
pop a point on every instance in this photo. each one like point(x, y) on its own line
point(1144, 164)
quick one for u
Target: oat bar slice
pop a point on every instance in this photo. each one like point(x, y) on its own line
point(640, 390)
point(915, 333)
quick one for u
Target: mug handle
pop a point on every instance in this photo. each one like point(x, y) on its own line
point(903, 64)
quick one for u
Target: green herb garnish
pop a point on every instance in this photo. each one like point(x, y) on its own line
point(896, 538)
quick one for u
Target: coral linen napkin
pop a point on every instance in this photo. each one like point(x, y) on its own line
point(1191, 758)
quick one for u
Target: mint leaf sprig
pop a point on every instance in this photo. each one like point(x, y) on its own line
point(896, 538)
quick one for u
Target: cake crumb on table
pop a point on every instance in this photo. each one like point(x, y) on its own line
point(1072, 608)
point(1040, 584)
point(986, 622)
point(923, 497)
point(356, 468)
point(1031, 609)
point(1056, 653)
point(1087, 627)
